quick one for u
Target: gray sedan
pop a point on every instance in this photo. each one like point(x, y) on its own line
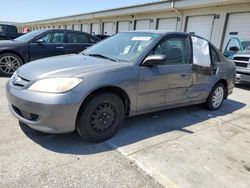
point(125, 75)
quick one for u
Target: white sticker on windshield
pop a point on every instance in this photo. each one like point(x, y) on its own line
point(141, 38)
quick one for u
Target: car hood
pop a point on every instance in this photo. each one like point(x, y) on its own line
point(244, 52)
point(65, 66)
point(9, 43)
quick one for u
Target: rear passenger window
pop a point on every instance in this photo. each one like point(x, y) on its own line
point(175, 50)
point(214, 55)
point(77, 38)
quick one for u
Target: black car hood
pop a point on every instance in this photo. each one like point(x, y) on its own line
point(65, 66)
point(10, 43)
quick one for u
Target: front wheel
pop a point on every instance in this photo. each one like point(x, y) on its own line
point(9, 63)
point(100, 117)
point(216, 97)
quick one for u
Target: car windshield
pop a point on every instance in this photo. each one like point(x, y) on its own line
point(246, 45)
point(29, 36)
point(124, 47)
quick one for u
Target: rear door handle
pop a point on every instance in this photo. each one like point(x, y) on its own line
point(59, 47)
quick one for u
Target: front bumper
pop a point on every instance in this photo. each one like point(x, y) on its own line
point(45, 112)
point(243, 75)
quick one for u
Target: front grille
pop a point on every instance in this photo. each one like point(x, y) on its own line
point(242, 58)
point(19, 81)
point(240, 64)
point(24, 114)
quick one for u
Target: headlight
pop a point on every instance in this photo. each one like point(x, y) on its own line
point(55, 85)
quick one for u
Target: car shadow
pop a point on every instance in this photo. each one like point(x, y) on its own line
point(135, 129)
point(245, 86)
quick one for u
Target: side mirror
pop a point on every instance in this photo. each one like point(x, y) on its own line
point(234, 49)
point(40, 41)
point(154, 60)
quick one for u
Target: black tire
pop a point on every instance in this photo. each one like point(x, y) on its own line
point(210, 105)
point(9, 63)
point(101, 117)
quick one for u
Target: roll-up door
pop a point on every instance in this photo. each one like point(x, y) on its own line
point(108, 28)
point(142, 24)
point(167, 24)
point(86, 28)
point(77, 27)
point(123, 26)
point(201, 26)
point(238, 25)
point(96, 29)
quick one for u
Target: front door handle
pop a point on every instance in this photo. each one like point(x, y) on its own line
point(59, 47)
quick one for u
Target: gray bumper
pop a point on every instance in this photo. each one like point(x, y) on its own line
point(45, 112)
point(243, 75)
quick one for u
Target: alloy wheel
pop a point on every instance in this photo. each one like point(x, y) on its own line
point(9, 64)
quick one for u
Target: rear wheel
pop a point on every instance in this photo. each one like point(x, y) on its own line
point(216, 97)
point(9, 63)
point(101, 117)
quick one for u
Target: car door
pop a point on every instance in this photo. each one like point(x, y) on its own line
point(77, 42)
point(205, 67)
point(169, 83)
point(50, 44)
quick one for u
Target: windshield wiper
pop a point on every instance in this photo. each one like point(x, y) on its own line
point(102, 56)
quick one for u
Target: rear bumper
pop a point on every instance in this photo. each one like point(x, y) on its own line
point(45, 112)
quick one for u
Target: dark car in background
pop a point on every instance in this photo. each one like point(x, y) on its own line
point(235, 45)
point(8, 32)
point(41, 44)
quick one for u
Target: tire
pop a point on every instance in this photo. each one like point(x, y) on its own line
point(9, 63)
point(101, 117)
point(216, 97)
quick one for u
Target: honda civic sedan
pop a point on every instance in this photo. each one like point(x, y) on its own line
point(125, 75)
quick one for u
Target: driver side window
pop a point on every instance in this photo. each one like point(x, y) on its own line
point(175, 50)
point(53, 38)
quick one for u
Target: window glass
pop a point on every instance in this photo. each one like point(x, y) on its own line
point(232, 43)
point(11, 29)
point(56, 37)
point(175, 50)
point(1, 28)
point(77, 38)
point(123, 46)
point(246, 44)
point(214, 55)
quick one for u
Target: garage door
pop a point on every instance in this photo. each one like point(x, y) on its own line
point(77, 27)
point(142, 24)
point(69, 27)
point(108, 28)
point(167, 24)
point(96, 29)
point(201, 26)
point(86, 28)
point(123, 26)
point(238, 25)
